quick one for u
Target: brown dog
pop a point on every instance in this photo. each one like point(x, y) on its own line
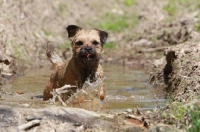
point(87, 48)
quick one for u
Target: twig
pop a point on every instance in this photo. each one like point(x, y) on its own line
point(185, 76)
point(57, 92)
point(61, 90)
point(6, 74)
point(138, 111)
point(62, 102)
point(152, 49)
point(157, 102)
point(28, 124)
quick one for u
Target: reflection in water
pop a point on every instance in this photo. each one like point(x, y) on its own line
point(130, 88)
point(125, 88)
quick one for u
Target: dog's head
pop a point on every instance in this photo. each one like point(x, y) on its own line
point(86, 44)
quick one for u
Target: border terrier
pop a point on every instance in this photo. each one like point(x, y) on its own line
point(84, 64)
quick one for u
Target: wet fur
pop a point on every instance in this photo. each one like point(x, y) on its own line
point(80, 67)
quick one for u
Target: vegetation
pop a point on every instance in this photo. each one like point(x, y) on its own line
point(17, 49)
point(64, 46)
point(113, 22)
point(171, 8)
point(109, 46)
point(48, 33)
point(197, 24)
point(195, 114)
point(129, 2)
point(63, 7)
point(118, 22)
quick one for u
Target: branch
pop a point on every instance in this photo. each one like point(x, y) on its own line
point(58, 91)
point(28, 124)
point(152, 49)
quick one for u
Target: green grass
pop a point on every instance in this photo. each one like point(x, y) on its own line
point(176, 112)
point(134, 20)
point(129, 2)
point(64, 46)
point(179, 111)
point(195, 114)
point(197, 24)
point(62, 7)
point(117, 23)
point(171, 8)
point(16, 48)
point(183, 1)
point(48, 33)
point(113, 22)
point(109, 45)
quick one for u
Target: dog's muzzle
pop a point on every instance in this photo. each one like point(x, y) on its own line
point(88, 52)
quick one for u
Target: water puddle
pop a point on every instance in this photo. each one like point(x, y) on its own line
point(131, 88)
point(125, 88)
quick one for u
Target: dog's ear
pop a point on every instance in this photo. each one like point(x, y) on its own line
point(103, 36)
point(72, 30)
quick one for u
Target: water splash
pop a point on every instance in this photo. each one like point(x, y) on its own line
point(96, 83)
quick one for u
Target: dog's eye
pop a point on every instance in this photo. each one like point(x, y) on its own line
point(79, 43)
point(95, 43)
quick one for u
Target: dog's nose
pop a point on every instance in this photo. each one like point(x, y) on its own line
point(88, 48)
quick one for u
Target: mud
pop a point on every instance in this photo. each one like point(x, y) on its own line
point(179, 73)
point(54, 118)
point(180, 69)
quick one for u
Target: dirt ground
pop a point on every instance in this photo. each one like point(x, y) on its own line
point(28, 25)
point(162, 34)
point(179, 71)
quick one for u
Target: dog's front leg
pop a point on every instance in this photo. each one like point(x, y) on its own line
point(102, 92)
point(102, 96)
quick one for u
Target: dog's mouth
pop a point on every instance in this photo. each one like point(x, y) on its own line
point(88, 55)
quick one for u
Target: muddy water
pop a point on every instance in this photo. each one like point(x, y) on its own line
point(125, 88)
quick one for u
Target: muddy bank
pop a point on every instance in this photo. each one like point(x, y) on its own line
point(179, 69)
point(179, 72)
point(25, 30)
point(8, 66)
point(19, 117)
point(53, 119)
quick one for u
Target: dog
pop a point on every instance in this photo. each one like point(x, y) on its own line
point(87, 47)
